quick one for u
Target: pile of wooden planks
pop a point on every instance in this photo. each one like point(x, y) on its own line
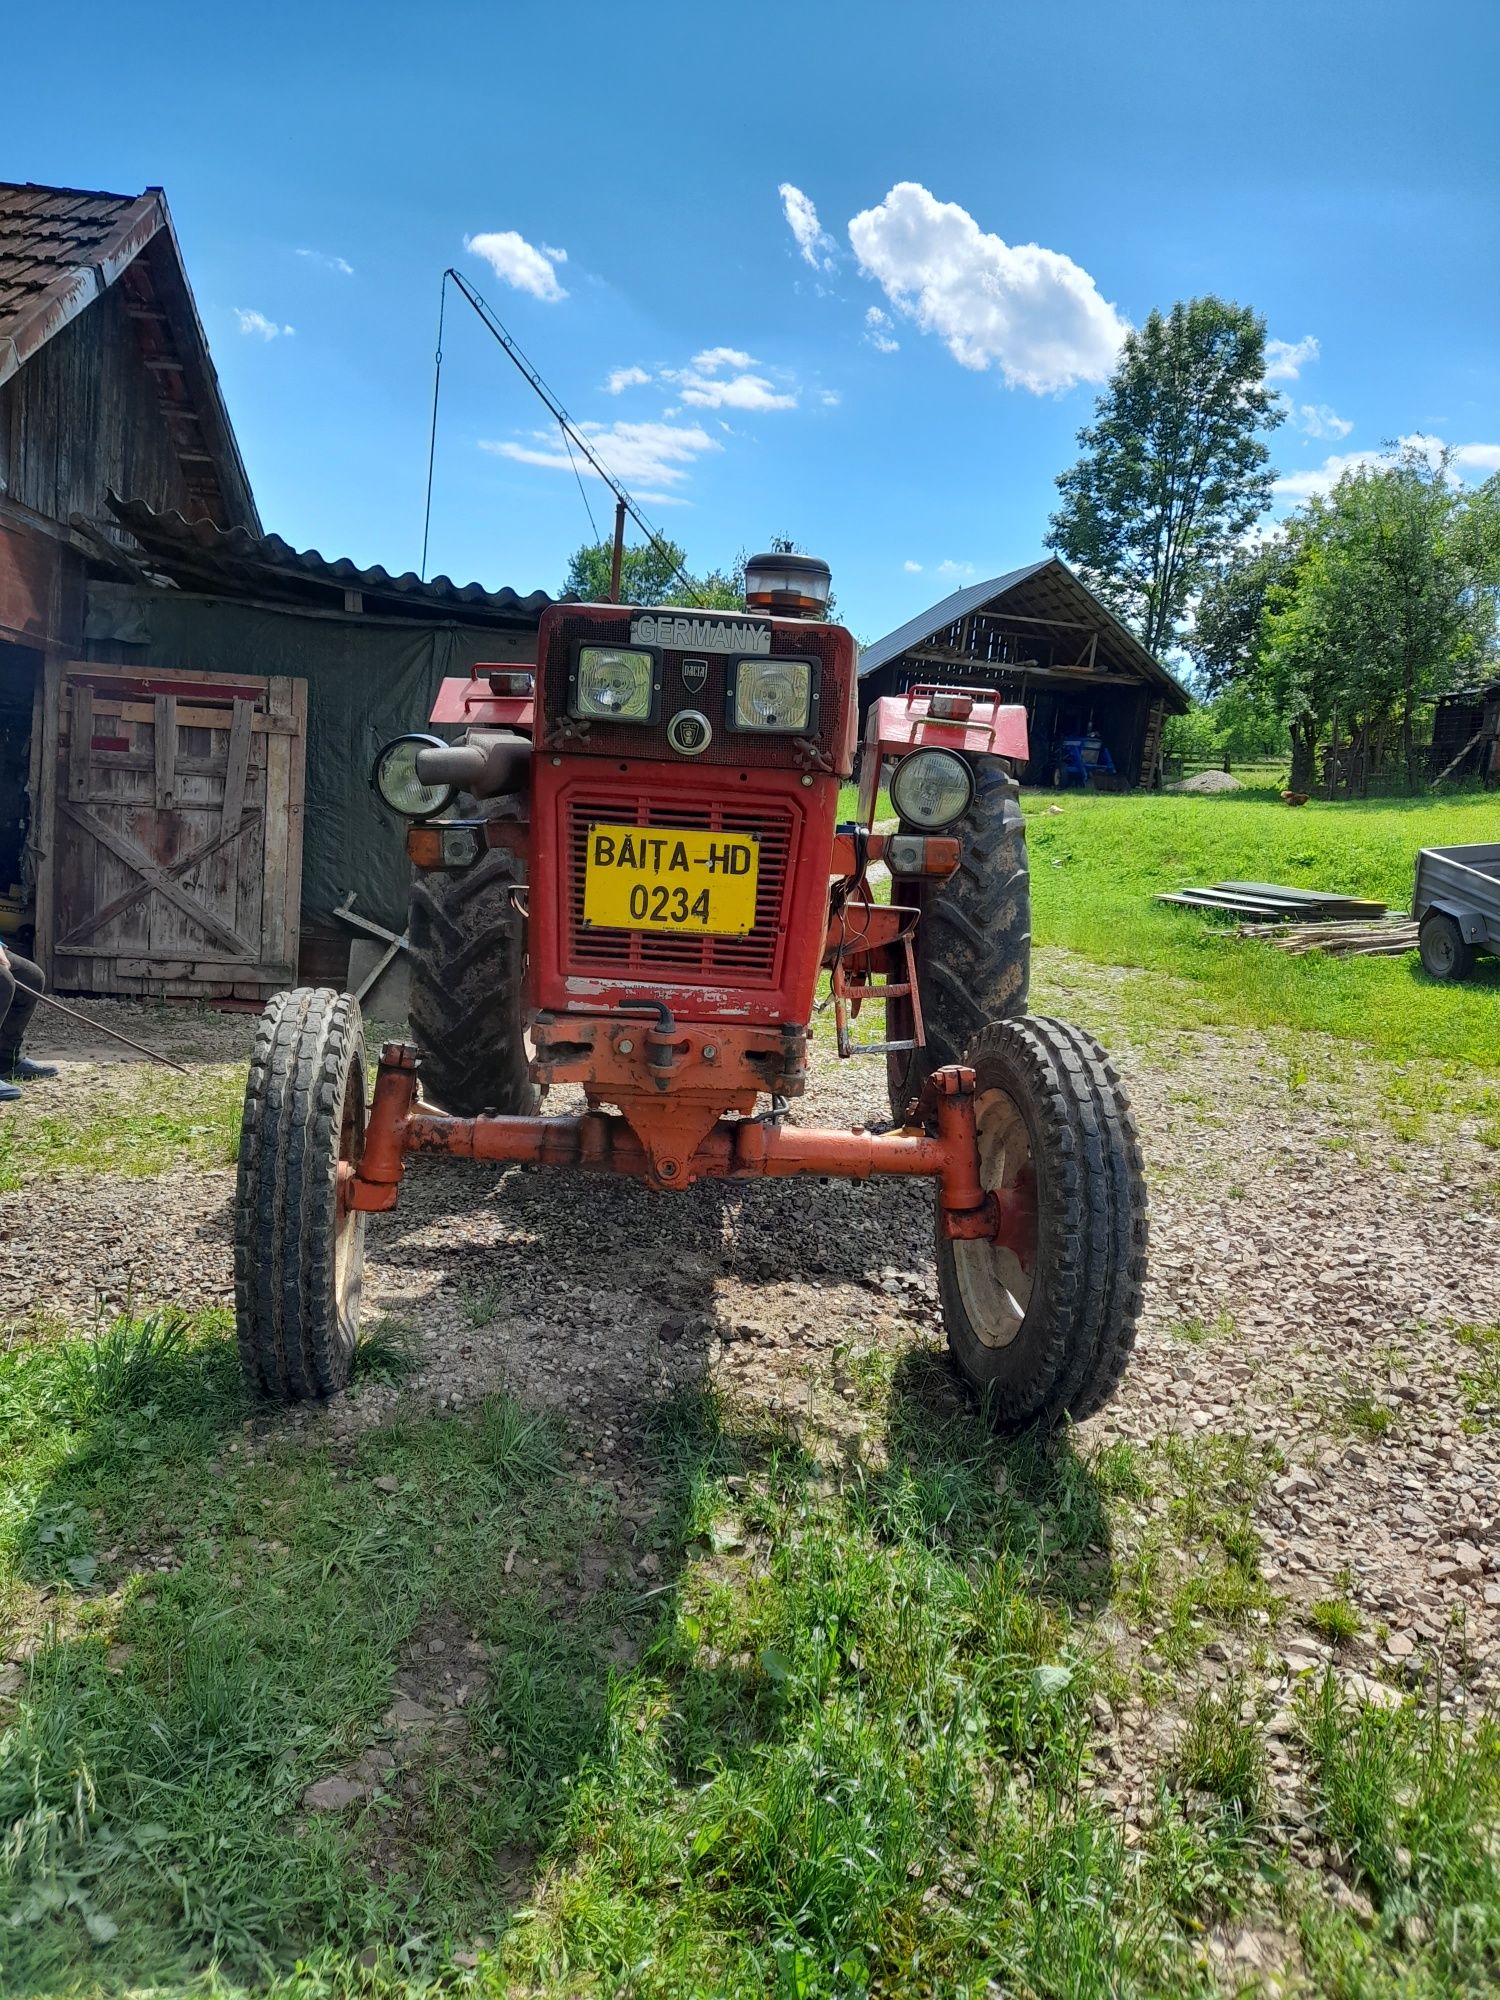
point(1270, 902)
point(1390, 937)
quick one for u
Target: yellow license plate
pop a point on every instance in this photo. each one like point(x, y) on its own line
point(646, 878)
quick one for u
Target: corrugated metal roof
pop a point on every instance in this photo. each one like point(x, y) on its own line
point(1050, 589)
point(198, 555)
point(936, 616)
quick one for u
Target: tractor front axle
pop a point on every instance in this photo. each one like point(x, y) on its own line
point(733, 1149)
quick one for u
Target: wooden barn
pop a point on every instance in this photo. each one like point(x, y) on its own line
point(1042, 638)
point(188, 706)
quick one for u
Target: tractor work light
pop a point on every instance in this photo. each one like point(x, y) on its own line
point(395, 778)
point(613, 685)
point(931, 788)
point(796, 586)
point(771, 694)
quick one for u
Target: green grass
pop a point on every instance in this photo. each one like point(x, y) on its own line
point(123, 1120)
point(1409, 1805)
point(835, 1738)
point(1098, 864)
point(1479, 1371)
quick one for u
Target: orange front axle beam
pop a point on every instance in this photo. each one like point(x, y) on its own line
point(734, 1149)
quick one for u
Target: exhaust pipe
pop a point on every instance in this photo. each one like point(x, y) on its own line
point(491, 764)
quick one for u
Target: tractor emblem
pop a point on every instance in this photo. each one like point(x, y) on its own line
point(694, 674)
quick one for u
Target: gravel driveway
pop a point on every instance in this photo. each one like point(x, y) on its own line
point(1310, 1262)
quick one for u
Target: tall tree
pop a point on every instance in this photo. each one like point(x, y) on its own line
point(1174, 471)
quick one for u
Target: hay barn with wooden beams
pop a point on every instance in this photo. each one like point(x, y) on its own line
point(1039, 636)
point(189, 706)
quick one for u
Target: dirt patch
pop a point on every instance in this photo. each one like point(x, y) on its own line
point(1308, 1271)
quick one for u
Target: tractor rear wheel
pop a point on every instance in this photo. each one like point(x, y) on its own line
point(974, 938)
point(298, 1248)
point(1043, 1331)
point(468, 961)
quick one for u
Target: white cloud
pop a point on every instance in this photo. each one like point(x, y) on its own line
point(729, 392)
point(714, 358)
point(951, 568)
point(1033, 313)
point(829, 398)
point(1319, 421)
point(526, 267)
point(912, 568)
point(256, 322)
point(340, 264)
point(816, 245)
point(704, 385)
point(1477, 460)
point(1286, 359)
point(659, 453)
point(875, 323)
point(625, 378)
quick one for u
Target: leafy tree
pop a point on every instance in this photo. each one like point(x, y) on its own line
point(649, 572)
point(1368, 603)
point(1174, 472)
point(1285, 685)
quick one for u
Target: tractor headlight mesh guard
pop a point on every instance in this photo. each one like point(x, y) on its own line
point(614, 684)
point(772, 695)
point(395, 778)
point(931, 788)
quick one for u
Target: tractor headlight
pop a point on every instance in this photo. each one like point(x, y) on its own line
point(771, 694)
point(931, 788)
point(395, 778)
point(613, 685)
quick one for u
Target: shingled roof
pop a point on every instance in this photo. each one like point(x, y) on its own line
point(60, 249)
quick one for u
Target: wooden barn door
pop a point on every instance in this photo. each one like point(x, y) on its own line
point(170, 832)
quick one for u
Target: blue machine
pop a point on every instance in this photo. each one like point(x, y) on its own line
point(1079, 757)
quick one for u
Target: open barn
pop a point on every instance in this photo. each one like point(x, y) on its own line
point(1041, 637)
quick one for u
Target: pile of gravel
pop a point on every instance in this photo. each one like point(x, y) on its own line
point(1209, 781)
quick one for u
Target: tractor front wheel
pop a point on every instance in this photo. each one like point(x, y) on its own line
point(1042, 1325)
point(298, 1246)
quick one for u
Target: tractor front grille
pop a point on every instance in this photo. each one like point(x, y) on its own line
point(752, 960)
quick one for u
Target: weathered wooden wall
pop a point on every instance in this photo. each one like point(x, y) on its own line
point(83, 416)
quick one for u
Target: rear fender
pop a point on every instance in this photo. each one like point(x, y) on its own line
point(902, 722)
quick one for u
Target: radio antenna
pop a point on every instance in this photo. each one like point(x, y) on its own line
point(624, 504)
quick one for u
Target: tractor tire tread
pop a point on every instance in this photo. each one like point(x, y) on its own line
point(974, 937)
point(467, 964)
point(1091, 1240)
point(308, 1053)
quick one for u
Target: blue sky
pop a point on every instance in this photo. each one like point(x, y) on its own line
point(898, 385)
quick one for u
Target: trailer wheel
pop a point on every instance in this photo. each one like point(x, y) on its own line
point(298, 1249)
point(468, 959)
point(1043, 1331)
point(973, 940)
point(1446, 952)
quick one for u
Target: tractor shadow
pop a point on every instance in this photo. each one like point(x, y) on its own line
point(582, 1642)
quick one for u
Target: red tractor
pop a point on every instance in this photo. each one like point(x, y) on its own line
point(630, 876)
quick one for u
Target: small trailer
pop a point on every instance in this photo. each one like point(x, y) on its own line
point(1456, 903)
